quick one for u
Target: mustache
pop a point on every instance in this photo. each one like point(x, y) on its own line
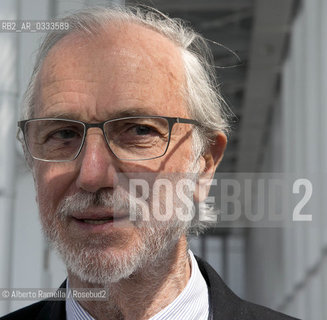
point(118, 201)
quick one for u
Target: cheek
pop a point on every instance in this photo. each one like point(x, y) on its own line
point(180, 160)
point(53, 182)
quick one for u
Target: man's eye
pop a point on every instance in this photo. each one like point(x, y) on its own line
point(143, 130)
point(64, 134)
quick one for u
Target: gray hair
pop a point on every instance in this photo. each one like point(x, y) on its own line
point(203, 100)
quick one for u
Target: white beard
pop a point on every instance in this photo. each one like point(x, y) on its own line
point(92, 260)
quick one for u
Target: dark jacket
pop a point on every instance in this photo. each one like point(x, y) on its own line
point(224, 304)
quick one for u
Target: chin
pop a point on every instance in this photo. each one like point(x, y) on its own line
point(108, 258)
point(102, 266)
point(99, 259)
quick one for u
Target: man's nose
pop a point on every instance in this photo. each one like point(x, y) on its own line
point(97, 164)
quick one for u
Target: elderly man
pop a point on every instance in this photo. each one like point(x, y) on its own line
point(124, 94)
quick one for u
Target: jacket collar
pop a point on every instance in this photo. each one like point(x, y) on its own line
point(222, 301)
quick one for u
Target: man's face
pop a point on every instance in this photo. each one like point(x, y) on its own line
point(128, 70)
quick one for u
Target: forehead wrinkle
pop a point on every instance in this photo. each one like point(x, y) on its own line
point(138, 111)
point(63, 99)
point(152, 48)
point(131, 41)
point(144, 52)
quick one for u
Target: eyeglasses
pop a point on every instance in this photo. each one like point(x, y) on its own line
point(129, 138)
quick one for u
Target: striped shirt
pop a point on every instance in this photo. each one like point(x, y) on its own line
point(191, 304)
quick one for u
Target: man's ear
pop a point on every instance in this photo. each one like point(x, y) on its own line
point(209, 162)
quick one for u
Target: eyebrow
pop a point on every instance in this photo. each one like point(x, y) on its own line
point(138, 111)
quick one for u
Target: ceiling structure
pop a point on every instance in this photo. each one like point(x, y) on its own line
point(248, 39)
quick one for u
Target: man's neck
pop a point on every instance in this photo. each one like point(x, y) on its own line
point(145, 293)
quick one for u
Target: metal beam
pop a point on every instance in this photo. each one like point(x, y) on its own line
point(272, 19)
point(227, 20)
point(198, 6)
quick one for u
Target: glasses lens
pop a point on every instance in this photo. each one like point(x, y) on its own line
point(137, 138)
point(54, 140)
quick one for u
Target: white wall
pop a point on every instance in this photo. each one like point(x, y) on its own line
point(291, 261)
point(8, 101)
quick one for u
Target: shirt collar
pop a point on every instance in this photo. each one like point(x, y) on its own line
point(74, 311)
point(192, 303)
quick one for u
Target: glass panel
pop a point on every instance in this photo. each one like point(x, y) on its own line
point(137, 138)
point(53, 139)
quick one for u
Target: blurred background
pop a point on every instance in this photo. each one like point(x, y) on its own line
point(276, 85)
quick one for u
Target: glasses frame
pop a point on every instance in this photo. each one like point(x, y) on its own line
point(171, 121)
